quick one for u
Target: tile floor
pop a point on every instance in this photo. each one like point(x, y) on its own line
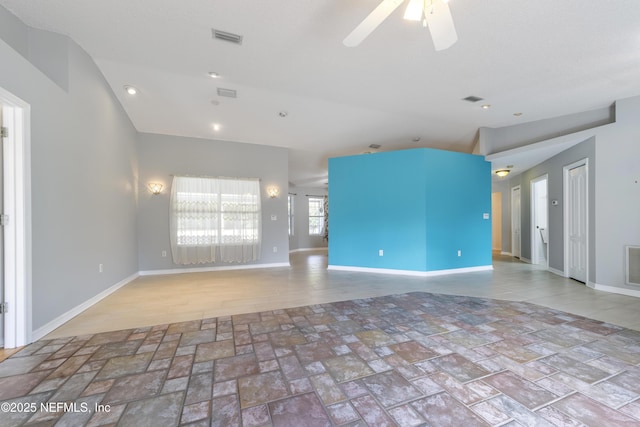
point(413, 358)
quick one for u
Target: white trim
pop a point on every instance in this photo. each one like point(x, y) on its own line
point(322, 248)
point(206, 269)
point(410, 272)
point(17, 205)
point(65, 317)
point(506, 253)
point(523, 259)
point(556, 271)
point(615, 290)
point(513, 238)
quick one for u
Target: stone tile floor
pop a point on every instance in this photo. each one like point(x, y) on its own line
point(407, 360)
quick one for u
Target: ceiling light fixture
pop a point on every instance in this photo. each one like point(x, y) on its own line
point(472, 98)
point(486, 106)
point(517, 114)
point(131, 90)
point(283, 114)
point(502, 172)
point(416, 139)
point(216, 127)
point(375, 146)
point(214, 75)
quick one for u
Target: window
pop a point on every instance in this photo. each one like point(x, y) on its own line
point(316, 216)
point(290, 210)
point(210, 215)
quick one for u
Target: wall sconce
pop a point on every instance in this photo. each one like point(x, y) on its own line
point(155, 188)
point(502, 172)
point(273, 191)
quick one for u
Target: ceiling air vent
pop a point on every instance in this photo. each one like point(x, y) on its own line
point(227, 37)
point(375, 146)
point(229, 93)
point(472, 98)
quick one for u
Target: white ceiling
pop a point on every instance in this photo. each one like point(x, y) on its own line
point(543, 58)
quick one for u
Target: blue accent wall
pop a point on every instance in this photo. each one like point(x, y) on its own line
point(419, 206)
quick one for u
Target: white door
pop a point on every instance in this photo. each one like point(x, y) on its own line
point(515, 222)
point(577, 224)
point(1, 233)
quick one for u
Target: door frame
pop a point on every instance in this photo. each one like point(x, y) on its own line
point(17, 232)
point(532, 195)
point(513, 238)
point(565, 182)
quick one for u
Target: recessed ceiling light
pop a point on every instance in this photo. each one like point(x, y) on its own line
point(486, 106)
point(213, 75)
point(416, 139)
point(131, 90)
point(517, 114)
point(283, 114)
point(216, 127)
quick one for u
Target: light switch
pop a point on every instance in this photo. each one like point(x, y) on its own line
point(274, 217)
point(485, 216)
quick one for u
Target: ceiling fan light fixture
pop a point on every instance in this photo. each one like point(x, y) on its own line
point(502, 172)
point(414, 10)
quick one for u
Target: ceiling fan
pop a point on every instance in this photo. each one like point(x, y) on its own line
point(434, 14)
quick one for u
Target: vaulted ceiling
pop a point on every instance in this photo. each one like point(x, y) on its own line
point(540, 59)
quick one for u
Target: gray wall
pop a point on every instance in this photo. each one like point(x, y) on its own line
point(614, 190)
point(617, 218)
point(301, 238)
point(83, 169)
point(161, 156)
point(554, 169)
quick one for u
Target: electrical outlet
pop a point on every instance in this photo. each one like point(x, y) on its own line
point(100, 268)
point(459, 252)
point(164, 254)
point(275, 249)
point(381, 252)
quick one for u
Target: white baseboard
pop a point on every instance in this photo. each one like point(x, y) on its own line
point(556, 271)
point(207, 269)
point(65, 317)
point(527, 260)
point(322, 248)
point(409, 272)
point(506, 253)
point(615, 290)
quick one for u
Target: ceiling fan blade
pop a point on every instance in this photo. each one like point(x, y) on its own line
point(371, 22)
point(440, 22)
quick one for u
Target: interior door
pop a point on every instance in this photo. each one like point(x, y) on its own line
point(1, 232)
point(515, 222)
point(578, 223)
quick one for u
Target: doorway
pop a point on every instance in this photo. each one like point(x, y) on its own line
point(496, 221)
point(516, 240)
point(16, 220)
point(576, 220)
point(540, 221)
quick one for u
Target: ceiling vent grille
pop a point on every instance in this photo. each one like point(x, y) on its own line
point(229, 93)
point(472, 98)
point(227, 37)
point(375, 146)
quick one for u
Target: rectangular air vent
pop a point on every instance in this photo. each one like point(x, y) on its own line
point(375, 146)
point(633, 265)
point(472, 98)
point(225, 36)
point(229, 93)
